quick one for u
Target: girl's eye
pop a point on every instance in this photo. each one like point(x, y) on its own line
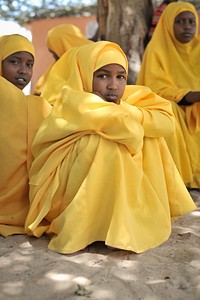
point(179, 21)
point(193, 22)
point(103, 76)
point(121, 77)
point(14, 62)
point(30, 65)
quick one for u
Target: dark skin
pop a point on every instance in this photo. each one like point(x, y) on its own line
point(184, 31)
point(18, 68)
point(185, 27)
point(109, 82)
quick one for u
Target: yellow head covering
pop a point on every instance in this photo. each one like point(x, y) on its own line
point(71, 66)
point(60, 39)
point(12, 43)
point(77, 67)
point(169, 63)
point(63, 37)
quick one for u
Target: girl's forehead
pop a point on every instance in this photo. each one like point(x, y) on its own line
point(22, 54)
point(186, 14)
point(113, 67)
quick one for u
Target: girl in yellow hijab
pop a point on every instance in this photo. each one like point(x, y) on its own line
point(171, 68)
point(101, 169)
point(60, 39)
point(16, 59)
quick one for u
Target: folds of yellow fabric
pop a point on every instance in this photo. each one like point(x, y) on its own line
point(99, 175)
point(20, 117)
point(13, 159)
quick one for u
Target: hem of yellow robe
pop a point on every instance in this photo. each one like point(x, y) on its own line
point(38, 231)
point(195, 184)
point(110, 244)
point(43, 229)
point(7, 230)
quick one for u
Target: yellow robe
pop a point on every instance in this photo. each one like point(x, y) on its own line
point(20, 117)
point(102, 171)
point(171, 70)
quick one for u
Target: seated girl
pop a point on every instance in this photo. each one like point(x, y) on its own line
point(171, 68)
point(101, 169)
point(20, 117)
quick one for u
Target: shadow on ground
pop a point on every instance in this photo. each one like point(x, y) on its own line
point(28, 270)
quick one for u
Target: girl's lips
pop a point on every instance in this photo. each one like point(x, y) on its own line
point(111, 98)
point(187, 34)
point(21, 80)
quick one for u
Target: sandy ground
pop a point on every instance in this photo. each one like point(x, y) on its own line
point(28, 270)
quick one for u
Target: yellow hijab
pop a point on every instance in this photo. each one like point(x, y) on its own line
point(12, 43)
point(60, 39)
point(169, 67)
point(76, 68)
point(63, 37)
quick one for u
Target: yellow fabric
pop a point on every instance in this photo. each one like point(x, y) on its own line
point(12, 43)
point(41, 81)
point(171, 70)
point(102, 171)
point(20, 117)
point(63, 37)
point(60, 39)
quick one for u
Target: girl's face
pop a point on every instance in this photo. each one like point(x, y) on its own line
point(109, 82)
point(18, 68)
point(185, 27)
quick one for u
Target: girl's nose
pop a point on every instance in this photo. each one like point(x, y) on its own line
point(22, 69)
point(187, 24)
point(112, 85)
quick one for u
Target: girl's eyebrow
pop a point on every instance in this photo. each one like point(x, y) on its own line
point(18, 56)
point(102, 70)
point(108, 71)
point(13, 56)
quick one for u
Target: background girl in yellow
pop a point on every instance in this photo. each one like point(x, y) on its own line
point(59, 39)
point(101, 169)
point(171, 68)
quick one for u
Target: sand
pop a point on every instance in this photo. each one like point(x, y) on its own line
point(28, 270)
